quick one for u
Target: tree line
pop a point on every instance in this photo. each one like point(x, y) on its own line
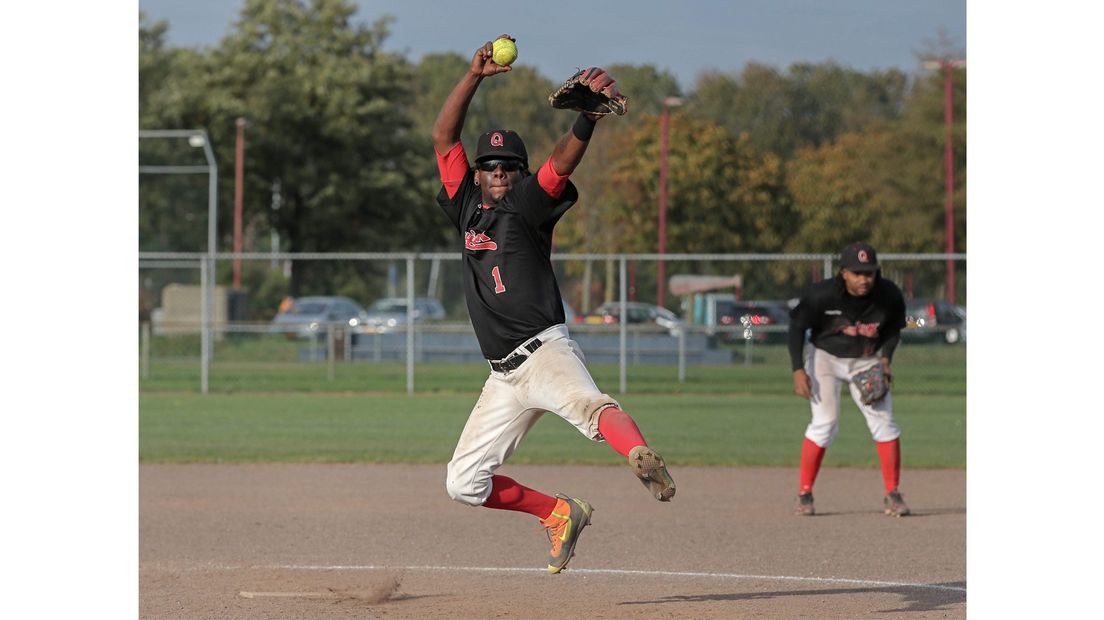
point(339, 156)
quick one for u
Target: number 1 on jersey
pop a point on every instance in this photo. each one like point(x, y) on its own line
point(499, 286)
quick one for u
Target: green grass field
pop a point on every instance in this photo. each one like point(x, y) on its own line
point(738, 415)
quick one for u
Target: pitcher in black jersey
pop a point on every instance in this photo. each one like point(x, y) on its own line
point(504, 216)
point(855, 321)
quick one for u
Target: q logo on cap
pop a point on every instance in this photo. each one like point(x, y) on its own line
point(496, 139)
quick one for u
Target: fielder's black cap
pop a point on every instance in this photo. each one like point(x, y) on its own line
point(501, 144)
point(859, 257)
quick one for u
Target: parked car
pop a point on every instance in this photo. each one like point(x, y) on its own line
point(635, 313)
point(390, 312)
point(754, 316)
point(308, 316)
point(934, 320)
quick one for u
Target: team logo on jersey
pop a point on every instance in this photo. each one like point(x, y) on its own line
point(496, 139)
point(478, 241)
point(867, 330)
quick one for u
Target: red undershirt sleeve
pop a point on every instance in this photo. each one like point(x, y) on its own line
point(552, 182)
point(452, 167)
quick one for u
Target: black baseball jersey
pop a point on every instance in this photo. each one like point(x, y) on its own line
point(509, 284)
point(847, 326)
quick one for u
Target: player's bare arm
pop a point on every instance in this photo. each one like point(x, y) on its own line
point(450, 120)
point(572, 145)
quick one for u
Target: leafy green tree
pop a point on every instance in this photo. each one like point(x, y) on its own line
point(810, 105)
point(645, 86)
point(724, 196)
point(884, 185)
point(326, 123)
point(173, 208)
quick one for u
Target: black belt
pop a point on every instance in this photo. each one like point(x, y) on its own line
point(514, 361)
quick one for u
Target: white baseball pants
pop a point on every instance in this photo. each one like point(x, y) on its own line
point(828, 372)
point(554, 378)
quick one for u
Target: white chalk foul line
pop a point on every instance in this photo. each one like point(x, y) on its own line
point(616, 571)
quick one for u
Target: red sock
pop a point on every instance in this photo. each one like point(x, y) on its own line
point(811, 456)
point(507, 494)
point(619, 430)
point(889, 453)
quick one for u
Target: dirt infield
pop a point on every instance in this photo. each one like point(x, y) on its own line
point(372, 541)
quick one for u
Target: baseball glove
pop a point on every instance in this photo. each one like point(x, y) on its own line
point(873, 384)
point(590, 90)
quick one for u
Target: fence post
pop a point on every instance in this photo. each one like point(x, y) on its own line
point(624, 319)
point(145, 350)
point(205, 332)
point(330, 353)
point(682, 354)
point(347, 339)
point(410, 325)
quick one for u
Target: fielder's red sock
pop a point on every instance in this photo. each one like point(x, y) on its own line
point(811, 456)
point(889, 453)
point(507, 494)
point(619, 430)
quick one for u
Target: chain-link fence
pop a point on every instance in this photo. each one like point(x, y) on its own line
point(393, 321)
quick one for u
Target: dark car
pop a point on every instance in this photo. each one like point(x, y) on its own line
point(635, 313)
point(934, 320)
point(764, 321)
point(308, 316)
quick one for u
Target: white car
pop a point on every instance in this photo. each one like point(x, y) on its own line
point(308, 316)
point(390, 312)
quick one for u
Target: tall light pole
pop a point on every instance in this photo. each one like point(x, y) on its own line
point(948, 65)
point(197, 138)
point(664, 126)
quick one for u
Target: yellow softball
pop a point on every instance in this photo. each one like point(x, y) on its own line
point(505, 52)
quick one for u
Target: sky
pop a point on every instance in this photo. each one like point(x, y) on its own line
point(684, 37)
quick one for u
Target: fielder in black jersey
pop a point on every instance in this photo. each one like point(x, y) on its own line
point(504, 215)
point(854, 321)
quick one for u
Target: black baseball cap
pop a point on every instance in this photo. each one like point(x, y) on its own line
point(859, 257)
point(501, 144)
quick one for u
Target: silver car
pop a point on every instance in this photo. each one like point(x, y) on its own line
point(390, 312)
point(309, 316)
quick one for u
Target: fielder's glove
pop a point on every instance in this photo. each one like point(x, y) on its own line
point(873, 384)
point(590, 90)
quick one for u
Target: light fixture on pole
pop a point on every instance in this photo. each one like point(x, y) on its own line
point(948, 65)
point(664, 125)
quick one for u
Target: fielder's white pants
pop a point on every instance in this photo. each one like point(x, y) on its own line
point(555, 379)
point(828, 374)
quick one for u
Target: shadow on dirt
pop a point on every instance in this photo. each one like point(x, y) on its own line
point(912, 599)
point(933, 512)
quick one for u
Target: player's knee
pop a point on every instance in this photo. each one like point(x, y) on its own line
point(822, 434)
point(465, 493)
point(592, 409)
point(467, 489)
point(886, 431)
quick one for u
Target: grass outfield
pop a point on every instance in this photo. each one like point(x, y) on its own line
point(705, 429)
point(733, 415)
